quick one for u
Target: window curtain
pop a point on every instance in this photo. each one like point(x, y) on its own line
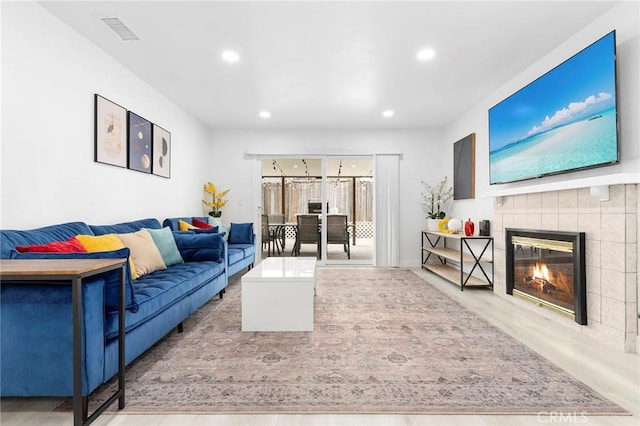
point(387, 210)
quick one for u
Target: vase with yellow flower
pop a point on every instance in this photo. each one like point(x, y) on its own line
point(214, 199)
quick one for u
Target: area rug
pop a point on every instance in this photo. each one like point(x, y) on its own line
point(385, 341)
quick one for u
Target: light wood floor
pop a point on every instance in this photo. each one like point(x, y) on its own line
point(614, 374)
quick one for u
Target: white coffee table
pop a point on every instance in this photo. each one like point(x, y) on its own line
point(278, 293)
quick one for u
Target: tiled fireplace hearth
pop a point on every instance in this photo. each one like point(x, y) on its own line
point(610, 254)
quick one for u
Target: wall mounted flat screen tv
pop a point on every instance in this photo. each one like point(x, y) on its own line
point(564, 121)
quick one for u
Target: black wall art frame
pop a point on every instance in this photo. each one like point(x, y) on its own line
point(139, 143)
point(110, 132)
point(161, 152)
point(464, 168)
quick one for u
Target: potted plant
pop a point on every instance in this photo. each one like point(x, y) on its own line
point(435, 199)
point(215, 199)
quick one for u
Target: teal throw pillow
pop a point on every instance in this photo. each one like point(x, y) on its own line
point(163, 239)
point(222, 228)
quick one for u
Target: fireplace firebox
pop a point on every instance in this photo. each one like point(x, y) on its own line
point(548, 269)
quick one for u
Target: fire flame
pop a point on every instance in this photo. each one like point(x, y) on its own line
point(554, 280)
point(541, 275)
point(541, 271)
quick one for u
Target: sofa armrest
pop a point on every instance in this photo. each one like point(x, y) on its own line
point(36, 330)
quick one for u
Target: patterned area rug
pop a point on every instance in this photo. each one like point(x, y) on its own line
point(385, 341)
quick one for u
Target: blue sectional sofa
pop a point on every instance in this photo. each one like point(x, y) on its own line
point(35, 318)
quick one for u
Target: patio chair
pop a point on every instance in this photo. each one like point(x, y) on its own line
point(279, 231)
point(338, 232)
point(267, 235)
point(308, 232)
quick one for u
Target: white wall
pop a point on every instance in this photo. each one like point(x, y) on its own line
point(421, 160)
point(624, 18)
point(49, 77)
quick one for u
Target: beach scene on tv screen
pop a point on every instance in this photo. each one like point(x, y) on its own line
point(564, 120)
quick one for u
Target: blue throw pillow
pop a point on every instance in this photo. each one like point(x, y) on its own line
point(163, 239)
point(200, 247)
point(241, 233)
point(111, 278)
point(212, 230)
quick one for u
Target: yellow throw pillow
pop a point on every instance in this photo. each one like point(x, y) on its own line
point(184, 226)
point(144, 252)
point(107, 242)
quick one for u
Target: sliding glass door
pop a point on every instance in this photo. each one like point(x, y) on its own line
point(338, 191)
point(349, 184)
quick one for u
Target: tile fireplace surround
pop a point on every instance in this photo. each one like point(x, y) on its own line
point(611, 254)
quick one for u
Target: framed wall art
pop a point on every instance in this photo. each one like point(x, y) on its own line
point(464, 168)
point(139, 137)
point(110, 139)
point(161, 152)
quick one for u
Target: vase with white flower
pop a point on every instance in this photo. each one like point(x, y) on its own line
point(214, 199)
point(435, 199)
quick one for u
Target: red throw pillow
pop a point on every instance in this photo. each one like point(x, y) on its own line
point(200, 224)
point(72, 245)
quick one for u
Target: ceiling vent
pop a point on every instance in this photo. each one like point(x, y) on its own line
point(118, 27)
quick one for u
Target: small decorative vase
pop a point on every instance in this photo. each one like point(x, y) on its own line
point(469, 228)
point(432, 224)
point(215, 214)
point(443, 225)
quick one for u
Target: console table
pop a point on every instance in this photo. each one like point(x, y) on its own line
point(467, 253)
point(75, 271)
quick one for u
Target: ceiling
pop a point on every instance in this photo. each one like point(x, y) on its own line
point(328, 64)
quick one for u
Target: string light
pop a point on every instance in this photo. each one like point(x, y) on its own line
point(277, 167)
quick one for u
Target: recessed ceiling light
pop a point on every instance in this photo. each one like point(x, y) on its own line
point(230, 56)
point(264, 114)
point(425, 55)
point(388, 113)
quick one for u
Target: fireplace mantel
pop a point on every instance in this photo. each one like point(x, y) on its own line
point(627, 177)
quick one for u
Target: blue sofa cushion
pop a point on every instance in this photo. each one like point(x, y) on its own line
point(160, 289)
point(111, 278)
point(125, 227)
point(247, 249)
point(241, 233)
point(235, 255)
point(200, 247)
point(9, 239)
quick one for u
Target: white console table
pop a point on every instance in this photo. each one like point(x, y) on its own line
point(278, 293)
